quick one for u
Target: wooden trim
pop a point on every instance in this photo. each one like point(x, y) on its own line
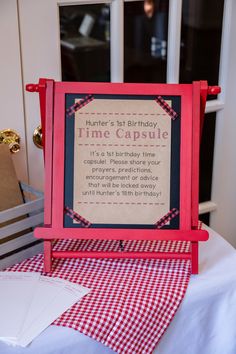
point(117, 41)
point(48, 151)
point(195, 152)
point(214, 106)
point(48, 232)
point(58, 161)
point(122, 89)
point(174, 39)
point(207, 207)
point(186, 160)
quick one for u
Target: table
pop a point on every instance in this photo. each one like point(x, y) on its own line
point(205, 322)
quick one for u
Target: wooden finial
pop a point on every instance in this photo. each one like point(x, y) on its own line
point(214, 90)
point(32, 87)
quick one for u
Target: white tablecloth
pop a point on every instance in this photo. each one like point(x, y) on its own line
point(205, 322)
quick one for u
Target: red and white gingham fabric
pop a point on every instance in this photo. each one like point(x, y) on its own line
point(132, 301)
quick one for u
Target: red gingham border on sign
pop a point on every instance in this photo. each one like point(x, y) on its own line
point(166, 218)
point(75, 216)
point(166, 107)
point(132, 301)
point(75, 107)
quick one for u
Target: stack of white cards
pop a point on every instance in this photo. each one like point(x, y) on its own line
point(29, 303)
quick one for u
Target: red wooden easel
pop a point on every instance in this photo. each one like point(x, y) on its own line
point(52, 105)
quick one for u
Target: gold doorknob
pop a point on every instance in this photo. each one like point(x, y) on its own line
point(38, 137)
point(11, 138)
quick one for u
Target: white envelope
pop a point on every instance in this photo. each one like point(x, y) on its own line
point(46, 290)
point(16, 293)
point(66, 296)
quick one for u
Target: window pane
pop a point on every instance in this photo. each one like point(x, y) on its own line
point(85, 42)
point(146, 27)
point(201, 40)
point(206, 162)
point(206, 157)
point(205, 218)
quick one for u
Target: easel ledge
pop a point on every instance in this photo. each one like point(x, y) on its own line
point(194, 236)
point(48, 233)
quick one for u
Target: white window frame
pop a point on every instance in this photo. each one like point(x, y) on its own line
point(173, 57)
point(222, 201)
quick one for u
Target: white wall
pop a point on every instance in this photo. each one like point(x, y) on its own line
point(11, 95)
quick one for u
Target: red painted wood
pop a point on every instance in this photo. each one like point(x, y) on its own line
point(122, 89)
point(213, 90)
point(194, 252)
point(32, 87)
point(48, 152)
point(186, 159)
point(144, 89)
point(47, 256)
point(203, 97)
point(41, 87)
point(42, 101)
point(195, 153)
point(136, 255)
point(120, 234)
point(58, 161)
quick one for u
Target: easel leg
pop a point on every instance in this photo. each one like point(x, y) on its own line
point(47, 256)
point(194, 257)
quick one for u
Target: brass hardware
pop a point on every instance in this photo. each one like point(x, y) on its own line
point(38, 137)
point(11, 138)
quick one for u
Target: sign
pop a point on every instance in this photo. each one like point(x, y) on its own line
point(122, 165)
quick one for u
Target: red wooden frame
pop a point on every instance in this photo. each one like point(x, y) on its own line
point(52, 103)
